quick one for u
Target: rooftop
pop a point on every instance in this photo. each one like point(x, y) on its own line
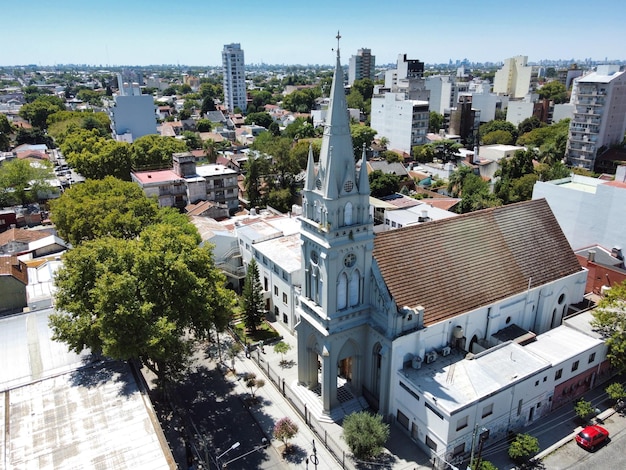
point(284, 251)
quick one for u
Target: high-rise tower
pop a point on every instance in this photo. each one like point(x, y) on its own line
point(234, 77)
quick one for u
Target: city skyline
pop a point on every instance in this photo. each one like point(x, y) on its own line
point(193, 33)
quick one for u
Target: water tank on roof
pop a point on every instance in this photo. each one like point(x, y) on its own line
point(458, 332)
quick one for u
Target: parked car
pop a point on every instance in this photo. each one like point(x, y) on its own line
point(592, 436)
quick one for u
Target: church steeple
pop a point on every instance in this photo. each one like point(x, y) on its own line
point(336, 154)
point(364, 181)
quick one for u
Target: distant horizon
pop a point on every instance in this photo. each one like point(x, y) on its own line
point(158, 33)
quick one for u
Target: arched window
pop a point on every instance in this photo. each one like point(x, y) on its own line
point(342, 292)
point(318, 212)
point(353, 290)
point(347, 214)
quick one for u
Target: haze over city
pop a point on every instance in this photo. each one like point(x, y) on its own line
point(279, 32)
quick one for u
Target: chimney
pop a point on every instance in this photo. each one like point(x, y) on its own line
point(591, 256)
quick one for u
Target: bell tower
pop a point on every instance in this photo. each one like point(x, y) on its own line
point(337, 234)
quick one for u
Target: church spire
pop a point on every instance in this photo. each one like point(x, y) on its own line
point(336, 154)
point(309, 183)
point(364, 182)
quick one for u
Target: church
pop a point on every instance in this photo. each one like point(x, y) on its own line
point(434, 324)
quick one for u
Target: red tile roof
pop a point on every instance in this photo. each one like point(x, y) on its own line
point(11, 266)
point(455, 265)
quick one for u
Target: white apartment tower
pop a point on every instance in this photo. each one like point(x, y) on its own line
point(362, 65)
point(234, 77)
point(513, 79)
point(599, 118)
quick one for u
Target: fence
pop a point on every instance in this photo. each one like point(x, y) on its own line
point(322, 434)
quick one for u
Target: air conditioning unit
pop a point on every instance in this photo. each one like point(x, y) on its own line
point(431, 357)
point(445, 351)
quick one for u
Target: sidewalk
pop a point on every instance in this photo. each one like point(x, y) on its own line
point(402, 452)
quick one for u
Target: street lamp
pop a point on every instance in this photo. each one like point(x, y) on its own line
point(233, 447)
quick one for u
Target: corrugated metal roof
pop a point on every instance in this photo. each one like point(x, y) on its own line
point(455, 265)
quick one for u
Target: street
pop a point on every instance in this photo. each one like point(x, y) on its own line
point(607, 457)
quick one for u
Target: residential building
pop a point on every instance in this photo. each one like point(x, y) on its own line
point(440, 88)
point(589, 210)
point(488, 103)
point(403, 122)
point(514, 78)
point(234, 77)
point(600, 116)
point(374, 308)
point(362, 65)
point(187, 183)
point(133, 115)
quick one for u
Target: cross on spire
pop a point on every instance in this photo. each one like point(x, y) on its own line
point(338, 38)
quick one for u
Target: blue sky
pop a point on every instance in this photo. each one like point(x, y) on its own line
point(193, 32)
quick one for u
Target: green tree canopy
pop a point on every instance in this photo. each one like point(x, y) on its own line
point(609, 319)
point(435, 122)
point(553, 91)
point(383, 184)
point(361, 135)
point(140, 298)
point(365, 434)
point(98, 208)
point(497, 125)
point(155, 151)
point(252, 305)
point(204, 125)
point(21, 181)
point(38, 111)
point(262, 119)
point(301, 101)
point(523, 447)
point(498, 137)
point(6, 129)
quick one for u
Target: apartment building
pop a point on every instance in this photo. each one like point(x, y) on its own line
point(599, 116)
point(362, 65)
point(234, 77)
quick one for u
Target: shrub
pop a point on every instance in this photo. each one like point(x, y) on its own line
point(365, 434)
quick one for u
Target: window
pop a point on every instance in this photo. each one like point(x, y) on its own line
point(558, 374)
point(266, 284)
point(458, 450)
point(461, 423)
point(487, 410)
point(592, 357)
point(536, 383)
point(284, 298)
point(519, 407)
point(276, 311)
point(403, 419)
point(575, 366)
point(430, 443)
point(285, 320)
point(275, 290)
point(433, 409)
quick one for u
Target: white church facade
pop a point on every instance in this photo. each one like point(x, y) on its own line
point(382, 317)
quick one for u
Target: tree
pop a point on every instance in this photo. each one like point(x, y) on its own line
point(616, 391)
point(252, 303)
point(38, 111)
point(155, 151)
point(141, 299)
point(383, 184)
point(260, 119)
point(523, 446)
point(529, 124)
point(497, 125)
point(282, 348)
point(609, 319)
point(285, 430)
point(207, 105)
point(365, 87)
point(22, 181)
point(253, 383)
point(553, 91)
point(361, 135)
point(107, 207)
point(192, 140)
point(498, 137)
point(6, 129)
point(204, 125)
point(584, 409)
point(435, 122)
point(365, 434)
point(256, 168)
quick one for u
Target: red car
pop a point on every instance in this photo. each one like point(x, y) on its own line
point(592, 436)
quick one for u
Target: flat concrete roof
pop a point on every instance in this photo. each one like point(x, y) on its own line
point(284, 251)
point(58, 409)
point(562, 343)
point(158, 176)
